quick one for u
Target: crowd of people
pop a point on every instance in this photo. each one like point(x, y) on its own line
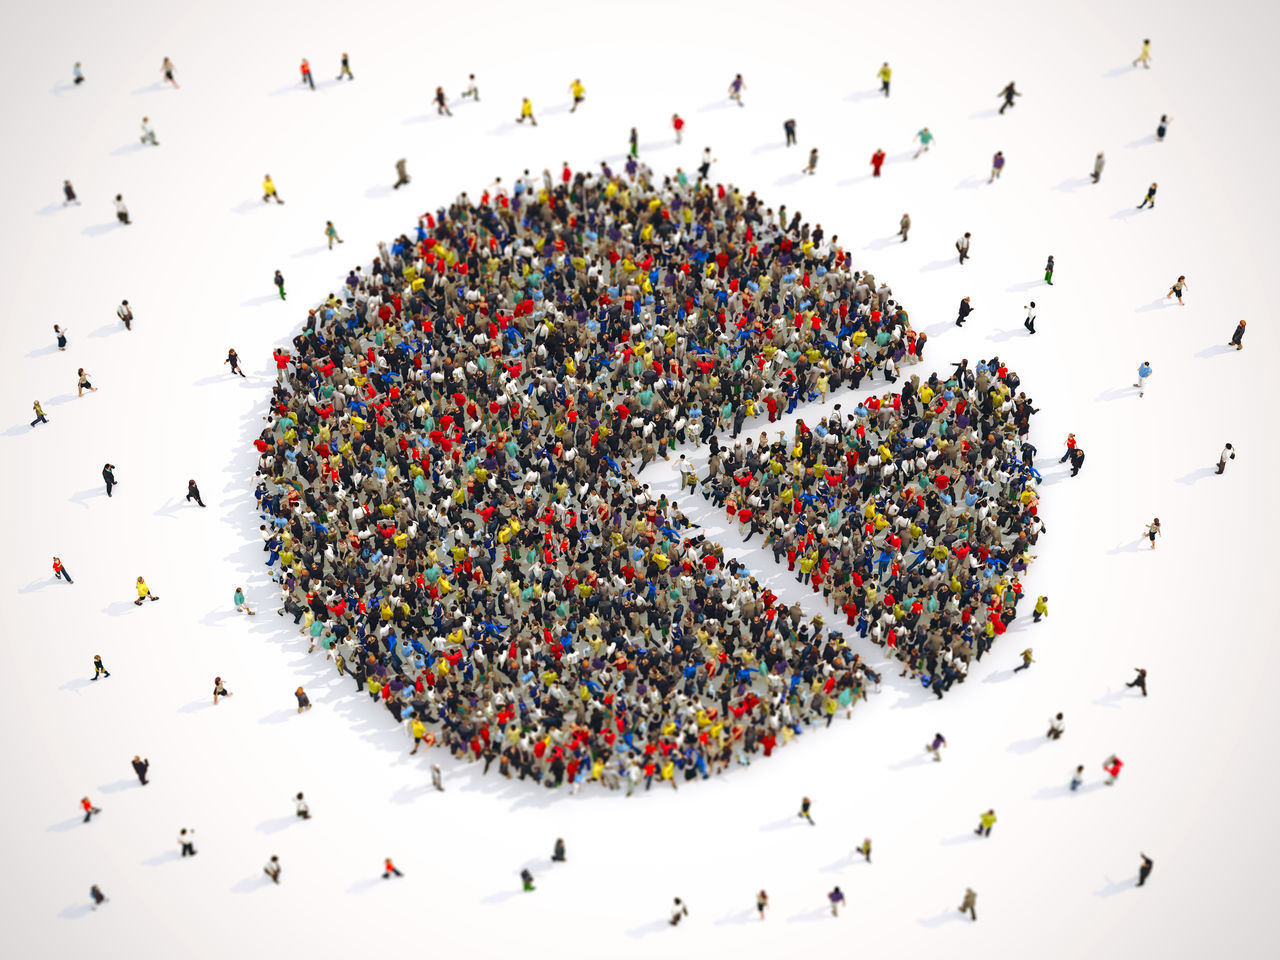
point(452, 496)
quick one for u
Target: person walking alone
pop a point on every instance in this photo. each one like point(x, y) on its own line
point(402, 177)
point(526, 112)
point(735, 89)
point(1048, 270)
point(1153, 531)
point(1236, 337)
point(1162, 127)
point(1150, 198)
point(279, 282)
point(219, 690)
point(304, 702)
point(939, 742)
point(148, 134)
point(813, 162)
point(331, 232)
point(904, 225)
point(1009, 92)
point(69, 194)
point(762, 903)
point(345, 69)
point(925, 138)
point(1027, 660)
point(1077, 778)
point(884, 73)
point(88, 808)
point(1098, 163)
point(1144, 871)
point(1144, 57)
point(677, 124)
point(305, 68)
point(962, 245)
point(578, 91)
point(965, 310)
point(789, 128)
point(242, 605)
point(1228, 453)
point(233, 358)
point(442, 104)
point(122, 211)
point(109, 477)
point(187, 840)
point(140, 767)
point(1056, 727)
point(1176, 290)
point(272, 869)
point(301, 810)
point(804, 811)
point(99, 668)
point(1140, 681)
point(125, 313)
point(389, 868)
point(39, 412)
point(144, 593)
point(193, 493)
point(835, 897)
point(970, 898)
point(1030, 322)
point(997, 166)
point(435, 777)
point(166, 70)
point(865, 849)
point(60, 571)
point(877, 161)
point(985, 822)
point(1112, 765)
point(269, 189)
point(82, 383)
point(1144, 373)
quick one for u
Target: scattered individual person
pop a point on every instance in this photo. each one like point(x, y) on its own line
point(389, 868)
point(402, 176)
point(926, 138)
point(884, 73)
point(1144, 871)
point(557, 853)
point(735, 89)
point(938, 743)
point(633, 143)
point(140, 767)
point(1139, 681)
point(99, 668)
point(1144, 374)
point(904, 225)
point(1236, 341)
point(166, 69)
point(1009, 92)
point(1041, 609)
point(970, 898)
point(331, 232)
point(89, 808)
point(578, 91)
point(1098, 163)
point(1056, 727)
point(997, 166)
point(39, 412)
point(98, 898)
point(272, 869)
point(269, 191)
point(122, 211)
point(1144, 57)
point(77, 74)
point(304, 702)
point(1027, 660)
point(1077, 778)
point(279, 282)
point(526, 112)
point(1153, 531)
point(83, 383)
point(233, 358)
point(1077, 460)
point(813, 162)
point(242, 605)
point(1150, 198)
point(442, 104)
point(677, 124)
point(125, 313)
point(193, 493)
point(526, 879)
point(472, 90)
point(305, 69)
point(965, 309)
point(1176, 290)
point(1228, 453)
point(1071, 445)
point(219, 690)
point(1030, 321)
point(877, 161)
point(345, 69)
point(865, 849)
point(187, 840)
point(435, 777)
point(144, 593)
point(109, 477)
point(148, 134)
point(804, 811)
point(1162, 127)
point(789, 128)
point(835, 897)
point(762, 903)
point(301, 810)
point(1112, 765)
point(985, 822)
point(962, 245)
point(69, 193)
point(1048, 270)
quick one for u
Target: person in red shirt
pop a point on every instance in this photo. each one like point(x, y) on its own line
point(677, 124)
point(388, 868)
point(306, 73)
point(89, 808)
point(877, 161)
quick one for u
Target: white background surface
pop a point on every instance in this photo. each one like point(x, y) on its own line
point(1055, 877)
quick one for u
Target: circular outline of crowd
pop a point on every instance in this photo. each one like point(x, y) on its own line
point(450, 480)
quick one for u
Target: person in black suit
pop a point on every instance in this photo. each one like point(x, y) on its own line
point(109, 476)
point(140, 768)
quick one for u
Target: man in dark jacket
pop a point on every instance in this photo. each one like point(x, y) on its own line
point(1077, 460)
point(965, 310)
point(193, 492)
point(109, 476)
point(140, 768)
point(1144, 871)
point(1238, 336)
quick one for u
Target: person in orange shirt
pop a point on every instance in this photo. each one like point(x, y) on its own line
point(89, 808)
point(60, 571)
point(306, 73)
point(389, 868)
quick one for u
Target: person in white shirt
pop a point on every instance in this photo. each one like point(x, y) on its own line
point(125, 313)
point(122, 212)
point(1030, 322)
point(1228, 453)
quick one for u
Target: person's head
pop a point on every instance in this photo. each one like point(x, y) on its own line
point(120, 196)
point(145, 119)
point(1146, 41)
point(1229, 447)
point(299, 795)
point(1033, 303)
point(1181, 277)
point(967, 235)
point(139, 579)
point(1058, 717)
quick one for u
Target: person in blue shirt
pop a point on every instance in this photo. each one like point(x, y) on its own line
point(1144, 372)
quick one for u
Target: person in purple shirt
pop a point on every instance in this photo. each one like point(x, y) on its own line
point(997, 165)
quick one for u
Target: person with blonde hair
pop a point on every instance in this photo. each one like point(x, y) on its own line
point(144, 593)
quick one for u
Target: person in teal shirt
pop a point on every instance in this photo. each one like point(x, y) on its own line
point(925, 138)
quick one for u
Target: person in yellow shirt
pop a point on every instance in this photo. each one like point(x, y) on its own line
point(269, 190)
point(884, 73)
point(526, 112)
point(1144, 57)
point(144, 593)
point(578, 90)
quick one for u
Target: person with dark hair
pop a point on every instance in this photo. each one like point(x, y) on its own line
point(884, 73)
point(98, 898)
point(39, 412)
point(402, 176)
point(187, 840)
point(1228, 453)
point(125, 313)
point(99, 668)
point(193, 493)
point(965, 309)
point(1176, 290)
point(1144, 57)
point(735, 89)
point(122, 212)
point(997, 166)
point(1076, 457)
point(877, 161)
point(1144, 871)
point(140, 767)
point(109, 477)
point(301, 810)
point(1009, 92)
point(939, 742)
point(526, 880)
point(962, 245)
point(1162, 127)
point(233, 358)
point(89, 809)
point(1140, 681)
point(77, 73)
point(442, 104)
point(904, 225)
point(1056, 727)
point(804, 811)
point(970, 898)
point(279, 282)
point(1030, 321)
point(69, 193)
point(1098, 163)
point(389, 868)
point(557, 853)
point(1150, 198)
point(678, 911)
point(272, 869)
point(219, 690)
point(578, 91)
point(345, 69)
point(789, 128)
point(835, 898)
point(166, 70)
